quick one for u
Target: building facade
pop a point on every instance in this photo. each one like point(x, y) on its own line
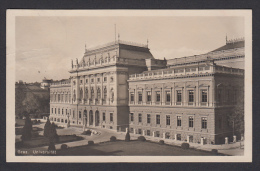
point(121, 85)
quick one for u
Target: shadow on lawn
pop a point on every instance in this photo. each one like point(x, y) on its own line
point(88, 151)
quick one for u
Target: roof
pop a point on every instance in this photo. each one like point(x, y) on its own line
point(134, 52)
point(231, 45)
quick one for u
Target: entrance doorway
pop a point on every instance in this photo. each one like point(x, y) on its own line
point(97, 118)
point(91, 117)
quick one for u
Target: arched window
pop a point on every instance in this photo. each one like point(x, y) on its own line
point(66, 98)
point(66, 112)
point(98, 94)
point(61, 111)
point(92, 93)
point(58, 97)
point(81, 94)
point(62, 97)
point(86, 93)
point(112, 94)
point(105, 93)
point(69, 97)
point(74, 95)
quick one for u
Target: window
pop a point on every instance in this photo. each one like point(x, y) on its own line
point(98, 94)
point(204, 123)
point(132, 97)
point(66, 112)
point(191, 96)
point(86, 80)
point(105, 93)
point(74, 95)
point(58, 97)
point(140, 97)
point(79, 114)
point(92, 93)
point(111, 117)
point(178, 95)
point(139, 117)
point(86, 93)
point(98, 80)
point(168, 120)
point(148, 132)
point(158, 119)
point(51, 110)
point(148, 118)
point(158, 96)
point(80, 81)
point(92, 80)
point(168, 96)
point(73, 114)
point(131, 117)
point(112, 95)
point(148, 96)
point(191, 121)
point(111, 79)
point(81, 94)
point(204, 96)
point(55, 110)
point(104, 116)
point(61, 111)
point(139, 131)
point(178, 120)
point(105, 79)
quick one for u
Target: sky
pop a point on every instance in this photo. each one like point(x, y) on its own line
point(45, 45)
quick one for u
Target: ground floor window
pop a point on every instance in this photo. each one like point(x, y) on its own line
point(204, 123)
point(139, 131)
point(157, 134)
point(111, 117)
point(131, 130)
point(111, 127)
point(167, 135)
point(148, 132)
point(179, 137)
point(104, 116)
point(178, 120)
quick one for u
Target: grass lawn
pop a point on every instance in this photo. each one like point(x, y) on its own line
point(132, 148)
point(42, 141)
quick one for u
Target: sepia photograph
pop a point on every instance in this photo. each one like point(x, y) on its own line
point(129, 86)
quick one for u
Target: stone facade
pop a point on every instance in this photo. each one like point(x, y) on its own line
point(120, 85)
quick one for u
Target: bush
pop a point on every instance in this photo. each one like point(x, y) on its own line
point(35, 134)
point(90, 142)
point(141, 138)
point(214, 151)
point(127, 137)
point(112, 138)
point(161, 142)
point(51, 146)
point(47, 126)
point(27, 129)
point(34, 121)
point(185, 145)
point(88, 132)
point(63, 146)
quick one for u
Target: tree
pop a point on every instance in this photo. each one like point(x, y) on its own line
point(127, 136)
point(53, 136)
point(236, 118)
point(27, 129)
point(47, 128)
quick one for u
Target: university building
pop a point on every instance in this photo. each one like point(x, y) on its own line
point(121, 86)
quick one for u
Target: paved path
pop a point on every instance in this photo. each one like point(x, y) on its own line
point(105, 134)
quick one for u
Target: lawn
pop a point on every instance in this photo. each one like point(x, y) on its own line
point(42, 141)
point(132, 148)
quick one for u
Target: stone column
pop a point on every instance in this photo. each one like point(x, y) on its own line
point(126, 130)
point(134, 131)
point(164, 135)
point(143, 132)
point(163, 95)
point(234, 139)
point(175, 137)
point(202, 141)
point(188, 139)
point(226, 140)
point(153, 133)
